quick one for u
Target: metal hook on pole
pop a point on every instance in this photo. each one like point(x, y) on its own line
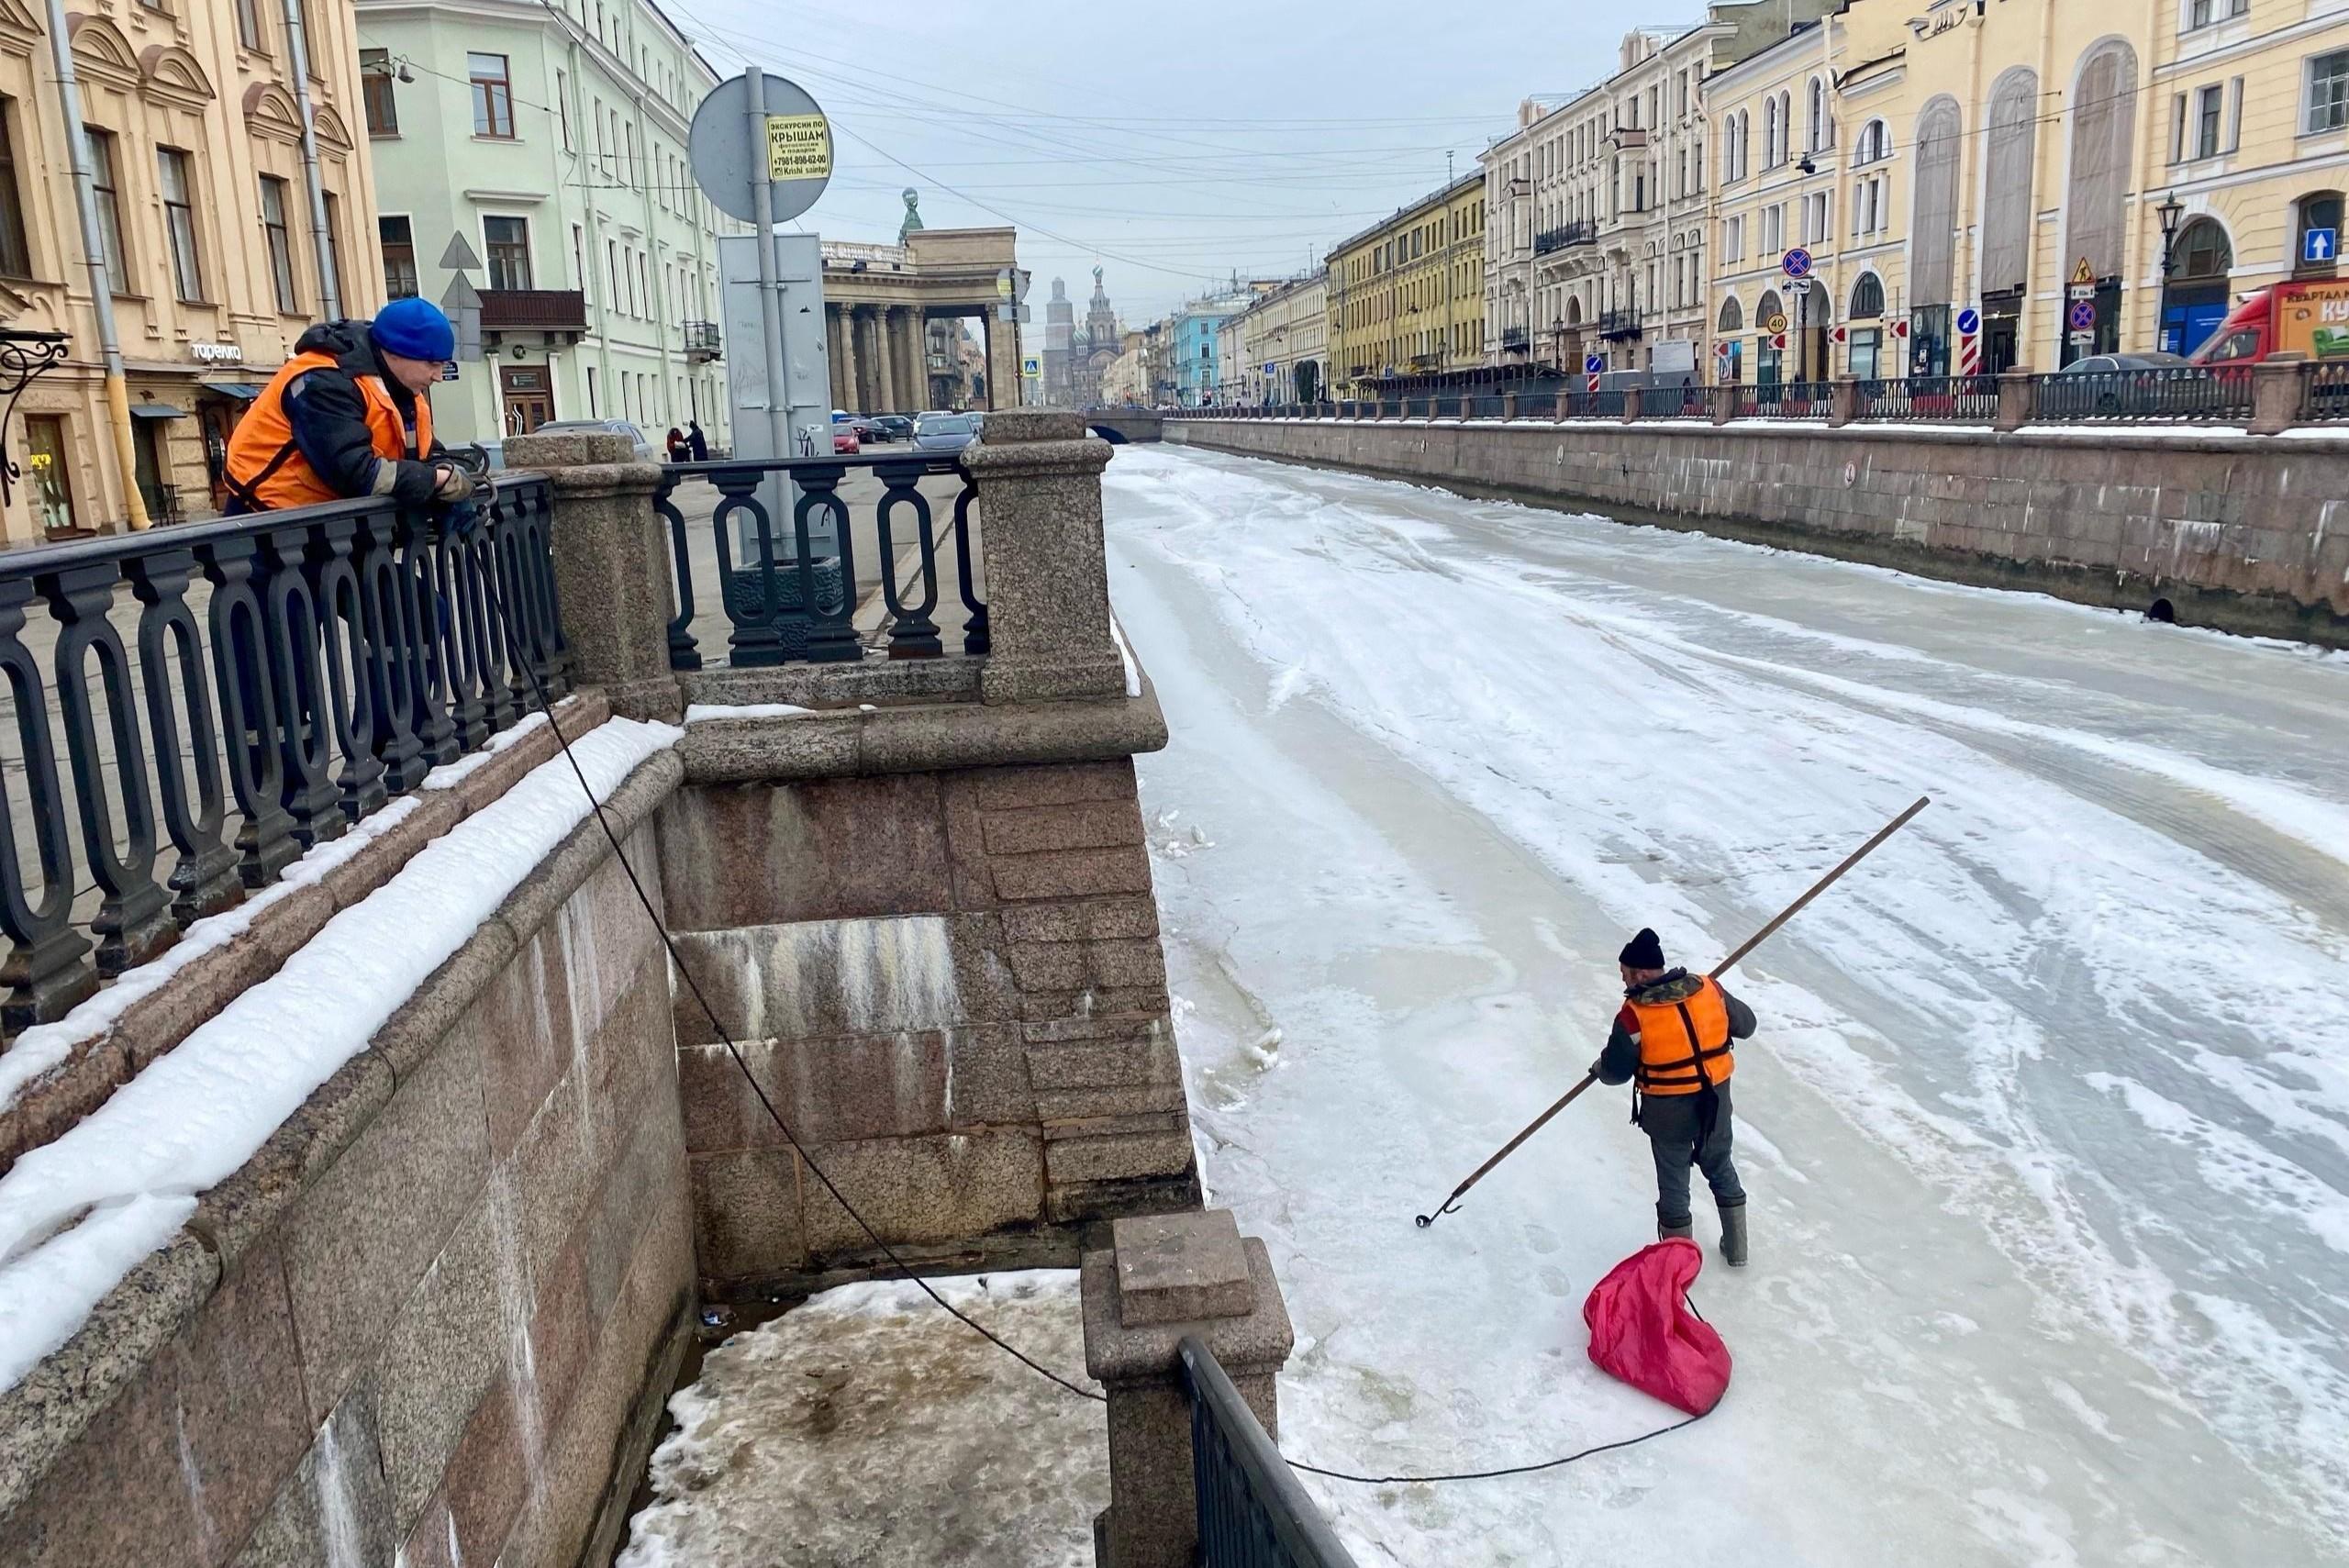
point(1756, 939)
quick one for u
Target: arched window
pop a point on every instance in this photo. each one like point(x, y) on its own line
point(1771, 157)
point(1733, 316)
point(2007, 154)
point(1769, 307)
point(1785, 126)
point(2201, 252)
point(1867, 298)
point(2318, 209)
point(1933, 235)
point(1875, 144)
point(1819, 130)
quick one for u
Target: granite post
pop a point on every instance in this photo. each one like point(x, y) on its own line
point(1166, 1277)
point(1842, 402)
point(611, 566)
point(1724, 402)
point(2016, 393)
point(1039, 475)
point(2277, 385)
point(1630, 406)
point(1509, 405)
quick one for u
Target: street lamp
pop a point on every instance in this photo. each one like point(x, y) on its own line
point(2170, 211)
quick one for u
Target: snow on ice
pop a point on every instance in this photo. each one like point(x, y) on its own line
point(78, 1213)
point(2047, 1127)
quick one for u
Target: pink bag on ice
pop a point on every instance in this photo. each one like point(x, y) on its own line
point(1643, 1330)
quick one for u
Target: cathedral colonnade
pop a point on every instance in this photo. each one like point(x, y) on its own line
point(877, 358)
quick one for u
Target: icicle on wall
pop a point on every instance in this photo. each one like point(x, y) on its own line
point(881, 976)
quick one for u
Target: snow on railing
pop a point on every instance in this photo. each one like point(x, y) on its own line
point(263, 683)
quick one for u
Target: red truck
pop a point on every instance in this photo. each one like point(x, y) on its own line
point(2308, 319)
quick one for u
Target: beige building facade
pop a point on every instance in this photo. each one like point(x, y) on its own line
point(879, 301)
point(1406, 295)
point(1282, 355)
point(205, 216)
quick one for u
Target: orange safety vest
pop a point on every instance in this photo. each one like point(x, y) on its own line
point(1684, 1045)
point(268, 473)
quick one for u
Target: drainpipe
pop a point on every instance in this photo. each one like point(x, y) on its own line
point(86, 201)
point(297, 49)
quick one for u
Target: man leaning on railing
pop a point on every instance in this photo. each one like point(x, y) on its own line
point(346, 418)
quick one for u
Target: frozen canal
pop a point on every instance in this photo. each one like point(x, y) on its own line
point(2047, 1126)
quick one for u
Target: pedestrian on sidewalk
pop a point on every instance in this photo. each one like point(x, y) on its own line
point(695, 442)
point(675, 443)
point(347, 417)
point(1672, 1043)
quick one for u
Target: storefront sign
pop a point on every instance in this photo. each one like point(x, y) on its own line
point(218, 353)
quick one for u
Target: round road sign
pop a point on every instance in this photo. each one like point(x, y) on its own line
point(1593, 363)
point(1776, 324)
point(2082, 314)
point(1796, 262)
point(798, 148)
point(1969, 321)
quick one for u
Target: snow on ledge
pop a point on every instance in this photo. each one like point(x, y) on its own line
point(1125, 656)
point(451, 774)
point(711, 712)
point(79, 1213)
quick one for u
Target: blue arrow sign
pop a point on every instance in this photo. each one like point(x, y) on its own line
point(1969, 321)
point(2320, 244)
point(1593, 364)
point(1796, 262)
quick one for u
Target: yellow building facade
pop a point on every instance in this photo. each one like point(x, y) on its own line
point(213, 263)
point(2016, 184)
point(1407, 295)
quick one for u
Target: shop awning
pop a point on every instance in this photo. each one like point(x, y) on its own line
point(156, 411)
point(246, 390)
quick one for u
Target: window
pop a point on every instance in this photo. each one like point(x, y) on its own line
point(1875, 144)
point(280, 241)
point(1817, 127)
point(399, 257)
point(1733, 316)
point(1814, 218)
point(333, 241)
point(2319, 211)
point(492, 96)
point(578, 257)
point(1871, 204)
point(178, 180)
point(612, 274)
point(563, 106)
point(1867, 298)
point(591, 392)
point(106, 189)
point(2209, 105)
point(375, 89)
point(507, 242)
point(2202, 13)
point(16, 257)
point(47, 455)
point(1770, 134)
point(249, 33)
point(2329, 91)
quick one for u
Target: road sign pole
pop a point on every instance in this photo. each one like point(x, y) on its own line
point(770, 287)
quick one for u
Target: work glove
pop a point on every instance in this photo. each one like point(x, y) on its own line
point(451, 482)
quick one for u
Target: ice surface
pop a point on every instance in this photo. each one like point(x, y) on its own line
point(867, 1426)
point(2048, 1124)
point(196, 1113)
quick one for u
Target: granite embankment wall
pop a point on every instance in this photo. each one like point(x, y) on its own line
point(421, 1322)
point(2246, 533)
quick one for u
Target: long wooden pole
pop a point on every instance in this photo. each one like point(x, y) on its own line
point(1756, 941)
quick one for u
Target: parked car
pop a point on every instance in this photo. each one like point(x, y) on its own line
point(858, 423)
point(892, 427)
point(645, 450)
point(944, 432)
point(844, 442)
point(2144, 384)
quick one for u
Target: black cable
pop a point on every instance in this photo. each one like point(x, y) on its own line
point(1490, 1474)
point(538, 689)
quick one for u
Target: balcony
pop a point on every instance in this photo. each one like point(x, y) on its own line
point(1615, 326)
point(533, 310)
point(703, 342)
point(1581, 231)
point(1513, 338)
point(1628, 138)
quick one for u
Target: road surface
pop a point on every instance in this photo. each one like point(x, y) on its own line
point(2047, 1126)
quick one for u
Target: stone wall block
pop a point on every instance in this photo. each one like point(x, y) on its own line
point(819, 850)
point(1036, 1007)
point(1114, 1063)
point(1134, 964)
point(552, 1174)
point(445, 1351)
point(1117, 1156)
point(371, 1226)
point(747, 1214)
point(926, 1189)
point(336, 1502)
point(524, 1024)
point(1078, 825)
point(1070, 873)
point(988, 1068)
point(1083, 1107)
point(1119, 916)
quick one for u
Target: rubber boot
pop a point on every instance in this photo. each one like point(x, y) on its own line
point(1733, 1235)
point(1666, 1232)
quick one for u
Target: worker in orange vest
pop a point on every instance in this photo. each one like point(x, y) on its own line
point(347, 417)
point(1672, 1043)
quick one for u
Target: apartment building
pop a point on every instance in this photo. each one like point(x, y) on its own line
point(1406, 294)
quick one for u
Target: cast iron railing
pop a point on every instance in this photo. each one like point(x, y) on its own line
point(787, 591)
point(1690, 402)
point(1253, 1512)
point(225, 694)
point(1782, 400)
point(2324, 396)
point(1578, 231)
point(2169, 393)
point(1946, 399)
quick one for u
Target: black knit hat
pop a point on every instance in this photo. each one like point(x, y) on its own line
point(1642, 951)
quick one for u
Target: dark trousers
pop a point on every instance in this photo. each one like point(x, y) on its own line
point(1673, 1124)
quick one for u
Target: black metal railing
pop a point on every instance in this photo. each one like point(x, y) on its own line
point(2325, 393)
point(2169, 393)
point(1580, 231)
point(225, 694)
point(789, 587)
point(1253, 1512)
point(1512, 337)
point(1782, 400)
point(703, 341)
point(1944, 399)
point(1690, 402)
point(1614, 325)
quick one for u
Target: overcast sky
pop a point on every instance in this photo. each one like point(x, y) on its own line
point(1170, 144)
